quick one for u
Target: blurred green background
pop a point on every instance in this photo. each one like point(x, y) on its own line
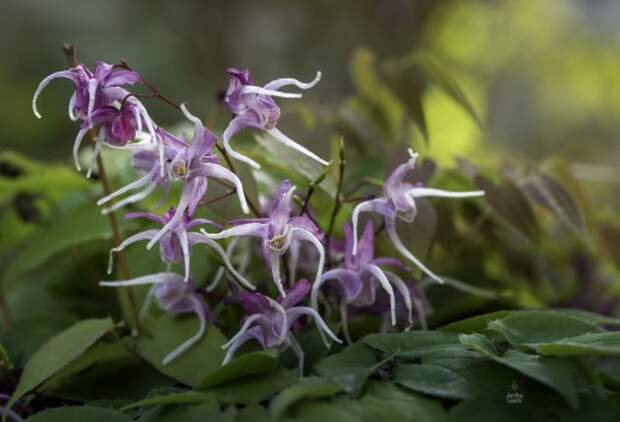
point(544, 75)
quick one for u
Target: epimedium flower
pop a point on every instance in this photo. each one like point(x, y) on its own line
point(398, 202)
point(270, 322)
point(253, 107)
point(193, 166)
point(361, 277)
point(174, 296)
point(99, 98)
point(176, 244)
point(277, 232)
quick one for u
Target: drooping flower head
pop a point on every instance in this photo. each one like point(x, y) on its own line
point(398, 201)
point(176, 244)
point(362, 276)
point(100, 99)
point(270, 322)
point(278, 231)
point(253, 107)
point(174, 296)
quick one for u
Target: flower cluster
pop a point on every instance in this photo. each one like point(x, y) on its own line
point(358, 282)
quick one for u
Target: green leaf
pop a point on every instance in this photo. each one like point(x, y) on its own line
point(350, 368)
point(450, 375)
point(58, 352)
point(75, 227)
point(386, 401)
point(555, 373)
point(248, 364)
point(592, 344)
point(474, 324)
point(254, 388)
point(79, 414)
point(5, 361)
point(510, 207)
point(411, 344)
point(541, 327)
point(207, 410)
point(101, 356)
point(286, 159)
point(307, 388)
point(444, 81)
point(52, 180)
point(166, 333)
point(185, 397)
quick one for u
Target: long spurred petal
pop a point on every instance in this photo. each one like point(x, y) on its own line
point(252, 89)
point(282, 138)
point(61, 74)
point(200, 312)
point(385, 283)
point(201, 238)
point(220, 172)
point(297, 311)
point(279, 83)
point(144, 180)
point(147, 279)
point(145, 235)
point(390, 225)
point(425, 192)
point(303, 234)
point(274, 260)
point(245, 327)
point(378, 205)
point(233, 127)
point(249, 229)
point(404, 292)
point(76, 147)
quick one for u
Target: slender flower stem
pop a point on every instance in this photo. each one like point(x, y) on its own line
point(69, 51)
point(6, 312)
point(337, 202)
point(218, 198)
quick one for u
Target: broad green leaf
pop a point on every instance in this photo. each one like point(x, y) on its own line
point(77, 226)
point(550, 193)
point(52, 180)
point(460, 376)
point(307, 388)
point(254, 388)
point(386, 401)
point(207, 410)
point(541, 327)
point(101, 356)
point(444, 81)
point(555, 373)
point(510, 207)
point(592, 344)
point(253, 413)
point(79, 414)
point(58, 352)
point(411, 344)
point(341, 409)
point(473, 324)
point(248, 364)
point(185, 397)
point(350, 368)
point(166, 333)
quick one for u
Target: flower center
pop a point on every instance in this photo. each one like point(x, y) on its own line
point(179, 170)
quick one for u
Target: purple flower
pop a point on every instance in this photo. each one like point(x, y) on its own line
point(278, 231)
point(192, 164)
point(174, 296)
point(98, 99)
point(398, 201)
point(270, 322)
point(176, 244)
point(362, 276)
point(254, 107)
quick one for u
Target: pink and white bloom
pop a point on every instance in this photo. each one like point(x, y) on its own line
point(398, 202)
point(277, 232)
point(253, 107)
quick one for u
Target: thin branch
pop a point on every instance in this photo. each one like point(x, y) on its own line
point(337, 202)
point(71, 56)
point(218, 198)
